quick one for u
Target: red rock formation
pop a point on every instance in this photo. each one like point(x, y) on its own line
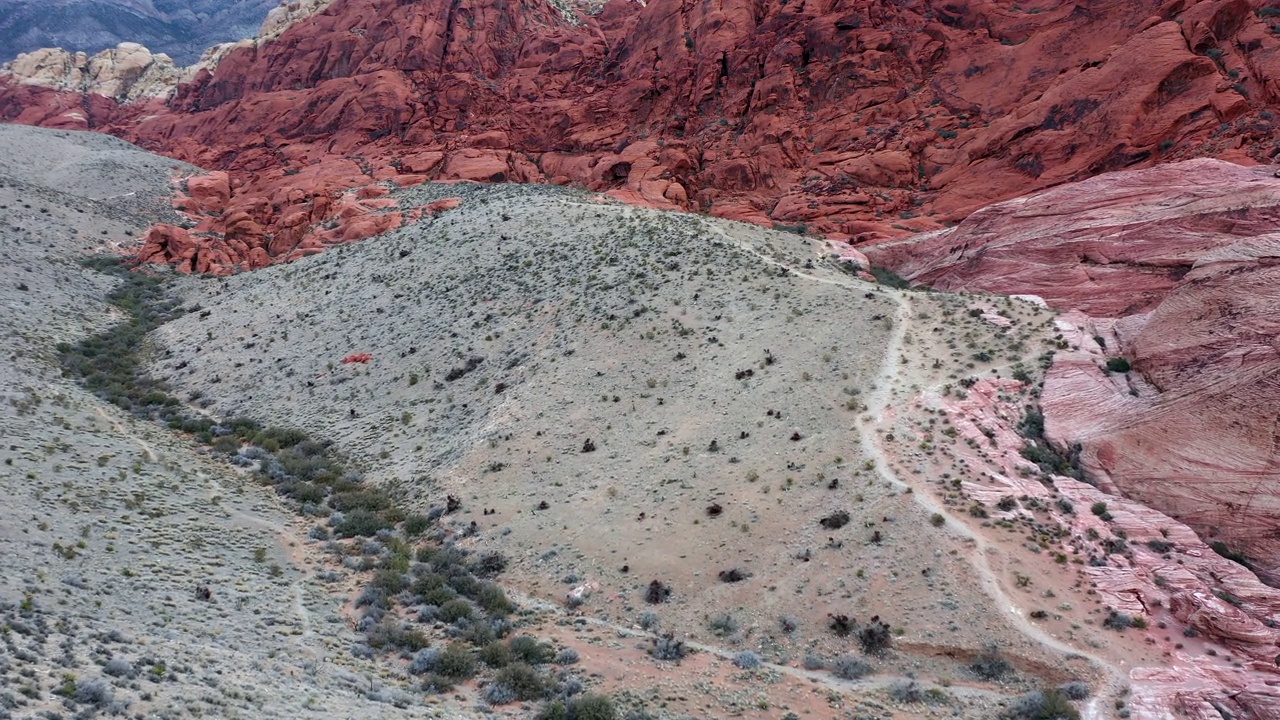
point(861, 117)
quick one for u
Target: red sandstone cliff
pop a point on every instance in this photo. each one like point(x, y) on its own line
point(855, 117)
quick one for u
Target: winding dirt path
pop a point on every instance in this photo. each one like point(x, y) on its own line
point(877, 402)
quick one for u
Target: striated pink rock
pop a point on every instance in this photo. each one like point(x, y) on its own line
point(1112, 245)
point(1179, 586)
point(1174, 268)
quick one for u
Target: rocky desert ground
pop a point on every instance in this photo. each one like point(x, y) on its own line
point(550, 455)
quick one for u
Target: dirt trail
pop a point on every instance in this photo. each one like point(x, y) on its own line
point(877, 402)
point(149, 452)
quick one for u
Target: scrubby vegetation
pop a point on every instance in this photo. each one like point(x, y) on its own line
point(415, 572)
point(1040, 451)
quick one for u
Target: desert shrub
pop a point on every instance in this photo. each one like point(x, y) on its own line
point(848, 667)
point(885, 276)
point(1118, 365)
point(415, 524)
point(529, 650)
point(990, 664)
point(283, 437)
point(874, 637)
point(906, 692)
point(304, 492)
point(723, 625)
point(438, 596)
point(393, 635)
point(492, 599)
point(1159, 546)
point(1221, 548)
point(456, 662)
point(835, 520)
point(1120, 622)
point(489, 565)
point(554, 710)
point(119, 667)
point(389, 581)
point(496, 693)
point(591, 707)
point(425, 661)
point(747, 660)
point(657, 592)
point(435, 684)
point(648, 620)
point(567, 656)
point(360, 523)
point(455, 610)
point(371, 596)
point(1075, 690)
point(495, 654)
point(361, 499)
point(524, 681)
point(734, 575)
point(668, 647)
point(813, 661)
point(95, 692)
point(1047, 704)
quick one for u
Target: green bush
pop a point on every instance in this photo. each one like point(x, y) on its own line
point(492, 599)
point(885, 276)
point(591, 707)
point(361, 523)
point(393, 635)
point(456, 662)
point(1047, 704)
point(415, 524)
point(526, 682)
point(454, 610)
point(528, 649)
point(389, 581)
point(1118, 365)
point(495, 655)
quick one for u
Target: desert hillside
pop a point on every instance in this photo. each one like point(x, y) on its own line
point(603, 417)
point(537, 448)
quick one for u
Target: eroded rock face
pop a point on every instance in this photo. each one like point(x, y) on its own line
point(181, 29)
point(1166, 574)
point(857, 118)
point(126, 73)
point(1173, 269)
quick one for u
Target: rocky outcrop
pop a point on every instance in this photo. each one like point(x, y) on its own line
point(1224, 620)
point(228, 232)
point(130, 73)
point(181, 29)
point(866, 119)
point(1110, 246)
point(1175, 271)
point(126, 73)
